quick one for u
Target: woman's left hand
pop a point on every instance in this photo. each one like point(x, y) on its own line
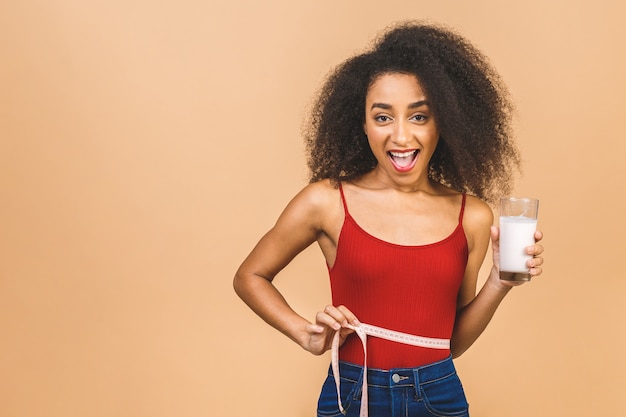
point(534, 264)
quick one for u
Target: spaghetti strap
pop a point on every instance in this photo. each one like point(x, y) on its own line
point(343, 199)
point(462, 209)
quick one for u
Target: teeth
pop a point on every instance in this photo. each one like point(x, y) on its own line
point(402, 154)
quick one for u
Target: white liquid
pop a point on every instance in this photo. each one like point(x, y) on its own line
point(515, 234)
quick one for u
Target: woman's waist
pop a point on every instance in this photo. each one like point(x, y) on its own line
point(398, 376)
point(388, 354)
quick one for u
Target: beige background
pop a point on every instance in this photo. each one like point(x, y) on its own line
point(145, 147)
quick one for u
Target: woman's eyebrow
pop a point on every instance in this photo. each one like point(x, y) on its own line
point(383, 106)
point(419, 104)
point(386, 106)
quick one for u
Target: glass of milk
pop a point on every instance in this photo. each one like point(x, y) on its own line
point(518, 222)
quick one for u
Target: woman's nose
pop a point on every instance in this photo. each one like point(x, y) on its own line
point(401, 134)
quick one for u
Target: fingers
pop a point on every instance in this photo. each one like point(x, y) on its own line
point(329, 322)
point(495, 243)
point(534, 264)
point(313, 328)
point(534, 250)
point(349, 316)
point(495, 235)
point(335, 317)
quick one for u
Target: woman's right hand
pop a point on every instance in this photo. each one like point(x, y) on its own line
point(327, 322)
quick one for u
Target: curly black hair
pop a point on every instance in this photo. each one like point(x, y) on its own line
point(476, 152)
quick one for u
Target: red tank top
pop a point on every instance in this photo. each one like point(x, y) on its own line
point(410, 289)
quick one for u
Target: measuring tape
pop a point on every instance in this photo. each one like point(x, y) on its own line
point(363, 330)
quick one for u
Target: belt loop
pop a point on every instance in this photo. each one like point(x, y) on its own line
point(417, 383)
point(358, 393)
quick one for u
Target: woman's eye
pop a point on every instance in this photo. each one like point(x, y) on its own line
point(382, 118)
point(419, 117)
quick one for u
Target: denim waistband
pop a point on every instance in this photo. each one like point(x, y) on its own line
point(397, 377)
point(362, 331)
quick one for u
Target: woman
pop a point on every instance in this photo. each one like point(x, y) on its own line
point(408, 143)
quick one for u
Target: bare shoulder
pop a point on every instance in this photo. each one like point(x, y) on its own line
point(477, 220)
point(319, 195)
point(314, 203)
point(477, 211)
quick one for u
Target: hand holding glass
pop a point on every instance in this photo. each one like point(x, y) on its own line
point(518, 223)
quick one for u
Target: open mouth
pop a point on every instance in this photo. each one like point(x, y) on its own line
point(403, 160)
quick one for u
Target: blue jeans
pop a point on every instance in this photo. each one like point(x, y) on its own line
point(430, 390)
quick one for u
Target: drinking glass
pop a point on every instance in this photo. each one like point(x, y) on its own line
point(518, 223)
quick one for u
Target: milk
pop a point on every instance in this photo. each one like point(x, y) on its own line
point(516, 233)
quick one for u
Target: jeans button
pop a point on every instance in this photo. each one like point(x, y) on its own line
point(395, 378)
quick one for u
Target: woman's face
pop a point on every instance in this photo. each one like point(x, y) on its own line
point(400, 127)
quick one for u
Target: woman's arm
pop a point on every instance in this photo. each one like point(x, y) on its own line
point(475, 311)
point(302, 222)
